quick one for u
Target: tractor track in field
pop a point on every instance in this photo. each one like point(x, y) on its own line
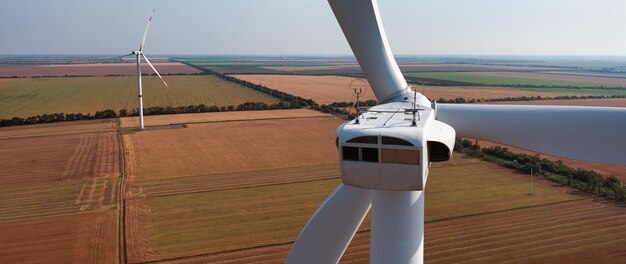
point(121, 198)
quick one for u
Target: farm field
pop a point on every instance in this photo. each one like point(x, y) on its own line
point(159, 120)
point(597, 80)
point(213, 221)
point(60, 128)
point(68, 238)
point(54, 158)
point(322, 89)
point(496, 78)
point(329, 89)
point(218, 211)
point(58, 191)
point(35, 96)
point(579, 231)
point(93, 69)
point(332, 66)
point(224, 147)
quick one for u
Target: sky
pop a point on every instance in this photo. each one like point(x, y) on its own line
point(308, 27)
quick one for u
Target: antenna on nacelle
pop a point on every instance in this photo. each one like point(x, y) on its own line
point(358, 88)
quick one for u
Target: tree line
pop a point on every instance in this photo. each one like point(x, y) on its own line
point(156, 110)
point(282, 96)
point(590, 181)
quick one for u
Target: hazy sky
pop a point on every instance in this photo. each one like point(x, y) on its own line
point(307, 27)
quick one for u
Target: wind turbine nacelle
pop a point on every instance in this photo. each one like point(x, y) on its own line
point(385, 151)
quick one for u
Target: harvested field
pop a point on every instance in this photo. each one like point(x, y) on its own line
point(57, 198)
point(48, 129)
point(231, 146)
point(322, 89)
point(36, 96)
point(582, 231)
point(329, 89)
point(72, 238)
point(608, 169)
point(159, 120)
point(609, 102)
point(36, 160)
point(271, 206)
point(597, 80)
point(232, 180)
point(211, 222)
point(59, 193)
point(95, 69)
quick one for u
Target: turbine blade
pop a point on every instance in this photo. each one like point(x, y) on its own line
point(154, 69)
point(361, 24)
point(145, 33)
point(329, 231)
point(584, 133)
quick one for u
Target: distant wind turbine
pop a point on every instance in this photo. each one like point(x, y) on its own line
point(139, 54)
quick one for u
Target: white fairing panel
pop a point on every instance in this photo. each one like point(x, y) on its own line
point(329, 231)
point(361, 24)
point(584, 133)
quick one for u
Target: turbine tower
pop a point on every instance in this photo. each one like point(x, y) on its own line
point(385, 157)
point(139, 54)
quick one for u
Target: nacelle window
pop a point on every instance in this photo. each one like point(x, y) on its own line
point(350, 153)
point(365, 139)
point(395, 141)
point(360, 154)
point(369, 154)
point(400, 156)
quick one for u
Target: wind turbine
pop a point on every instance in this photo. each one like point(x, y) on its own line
point(139, 54)
point(385, 157)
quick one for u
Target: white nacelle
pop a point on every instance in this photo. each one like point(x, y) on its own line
point(385, 152)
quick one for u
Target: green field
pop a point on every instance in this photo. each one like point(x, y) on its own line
point(28, 97)
point(249, 217)
point(493, 80)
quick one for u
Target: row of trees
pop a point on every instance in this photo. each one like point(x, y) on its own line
point(282, 96)
point(157, 110)
point(586, 180)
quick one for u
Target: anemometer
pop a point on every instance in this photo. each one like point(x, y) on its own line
point(358, 88)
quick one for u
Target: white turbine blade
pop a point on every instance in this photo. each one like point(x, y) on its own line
point(154, 69)
point(361, 24)
point(329, 231)
point(595, 134)
point(143, 39)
